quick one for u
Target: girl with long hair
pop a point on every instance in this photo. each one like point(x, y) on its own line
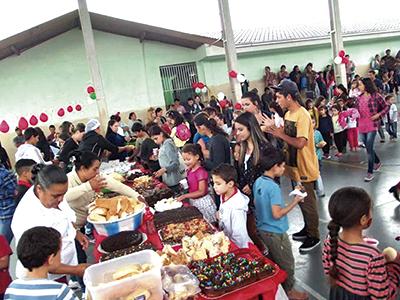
point(115, 138)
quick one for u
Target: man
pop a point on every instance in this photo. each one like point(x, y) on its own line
point(178, 107)
point(19, 139)
point(51, 137)
point(389, 61)
point(29, 150)
point(377, 81)
point(301, 159)
point(350, 69)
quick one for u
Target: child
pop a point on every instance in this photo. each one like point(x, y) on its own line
point(391, 117)
point(39, 250)
point(23, 167)
point(352, 115)
point(197, 178)
point(312, 110)
point(357, 270)
point(272, 220)
point(180, 131)
point(5, 278)
point(339, 134)
point(319, 144)
point(326, 129)
point(219, 118)
point(232, 212)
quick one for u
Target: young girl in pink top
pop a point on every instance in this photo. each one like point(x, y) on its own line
point(197, 178)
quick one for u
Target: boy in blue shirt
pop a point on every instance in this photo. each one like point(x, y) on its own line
point(271, 215)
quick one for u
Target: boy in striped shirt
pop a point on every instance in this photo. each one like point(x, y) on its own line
point(39, 250)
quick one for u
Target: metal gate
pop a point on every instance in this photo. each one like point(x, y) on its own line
point(177, 81)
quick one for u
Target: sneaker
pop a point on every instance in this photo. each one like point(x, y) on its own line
point(395, 192)
point(297, 295)
point(327, 156)
point(382, 141)
point(369, 177)
point(300, 236)
point(74, 285)
point(309, 244)
point(377, 166)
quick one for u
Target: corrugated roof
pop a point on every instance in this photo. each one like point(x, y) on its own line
point(256, 36)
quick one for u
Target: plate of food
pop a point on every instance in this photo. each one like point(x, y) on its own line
point(167, 204)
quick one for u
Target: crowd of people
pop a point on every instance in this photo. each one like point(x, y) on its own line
point(232, 156)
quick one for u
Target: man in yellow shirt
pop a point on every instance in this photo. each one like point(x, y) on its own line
point(301, 159)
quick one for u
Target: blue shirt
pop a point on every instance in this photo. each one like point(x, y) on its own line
point(198, 136)
point(267, 193)
point(318, 139)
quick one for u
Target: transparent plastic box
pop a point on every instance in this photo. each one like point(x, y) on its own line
point(100, 285)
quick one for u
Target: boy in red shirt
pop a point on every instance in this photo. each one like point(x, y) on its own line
point(5, 278)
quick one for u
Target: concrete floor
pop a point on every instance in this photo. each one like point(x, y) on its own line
point(350, 170)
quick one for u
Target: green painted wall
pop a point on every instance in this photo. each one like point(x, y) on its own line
point(252, 64)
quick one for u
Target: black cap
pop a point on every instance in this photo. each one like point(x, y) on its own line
point(287, 86)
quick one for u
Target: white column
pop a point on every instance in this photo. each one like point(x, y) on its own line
point(229, 45)
point(88, 39)
point(337, 40)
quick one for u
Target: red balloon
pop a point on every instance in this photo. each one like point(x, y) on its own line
point(23, 123)
point(43, 117)
point(90, 89)
point(342, 53)
point(200, 85)
point(78, 107)
point(345, 60)
point(195, 85)
point(237, 106)
point(61, 112)
point(33, 121)
point(4, 128)
point(70, 109)
point(233, 74)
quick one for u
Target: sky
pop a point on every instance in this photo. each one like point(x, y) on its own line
point(200, 16)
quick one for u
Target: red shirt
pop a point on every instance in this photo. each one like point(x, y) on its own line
point(5, 278)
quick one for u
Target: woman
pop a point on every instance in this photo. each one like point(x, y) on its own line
point(83, 181)
point(118, 140)
point(252, 145)
point(150, 115)
point(66, 130)
point(341, 92)
point(372, 107)
point(70, 145)
point(282, 74)
point(251, 103)
point(44, 145)
point(160, 119)
point(329, 77)
point(218, 145)
point(43, 205)
point(168, 158)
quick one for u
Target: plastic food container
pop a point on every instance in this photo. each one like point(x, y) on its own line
point(100, 285)
point(131, 222)
point(179, 282)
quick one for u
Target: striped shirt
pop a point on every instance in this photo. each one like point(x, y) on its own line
point(38, 289)
point(363, 270)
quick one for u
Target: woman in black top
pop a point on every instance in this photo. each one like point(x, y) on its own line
point(218, 146)
point(44, 145)
point(71, 145)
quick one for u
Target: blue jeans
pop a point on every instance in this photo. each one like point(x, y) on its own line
point(7, 209)
point(368, 139)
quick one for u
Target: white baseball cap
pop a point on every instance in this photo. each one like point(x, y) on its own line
point(93, 124)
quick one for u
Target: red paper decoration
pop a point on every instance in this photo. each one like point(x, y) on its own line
point(43, 117)
point(33, 121)
point(90, 89)
point(200, 85)
point(195, 85)
point(4, 128)
point(78, 107)
point(233, 74)
point(23, 123)
point(342, 53)
point(61, 112)
point(70, 109)
point(345, 60)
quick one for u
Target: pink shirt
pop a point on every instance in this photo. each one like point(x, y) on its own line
point(365, 124)
point(194, 177)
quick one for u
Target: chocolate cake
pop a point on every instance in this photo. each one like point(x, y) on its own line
point(178, 215)
point(122, 240)
point(130, 250)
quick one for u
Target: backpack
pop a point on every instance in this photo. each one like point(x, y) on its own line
point(183, 132)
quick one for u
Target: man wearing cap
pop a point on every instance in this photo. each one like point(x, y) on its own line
point(93, 141)
point(301, 159)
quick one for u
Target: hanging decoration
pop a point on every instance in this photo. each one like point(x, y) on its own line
point(197, 90)
point(90, 89)
point(341, 58)
point(70, 109)
point(241, 78)
point(338, 60)
point(237, 106)
point(61, 112)
point(220, 96)
point(23, 123)
point(4, 128)
point(342, 53)
point(78, 107)
point(232, 74)
point(33, 121)
point(200, 85)
point(204, 90)
point(93, 96)
point(43, 117)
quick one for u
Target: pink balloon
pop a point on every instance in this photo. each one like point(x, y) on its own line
point(33, 121)
point(61, 112)
point(43, 117)
point(4, 128)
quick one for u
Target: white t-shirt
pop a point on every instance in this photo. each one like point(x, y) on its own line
point(28, 151)
point(31, 213)
point(393, 113)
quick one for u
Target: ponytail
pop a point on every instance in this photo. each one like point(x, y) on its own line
point(333, 228)
point(83, 159)
point(202, 119)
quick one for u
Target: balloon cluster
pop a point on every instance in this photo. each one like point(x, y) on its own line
point(92, 93)
point(341, 58)
point(199, 88)
point(240, 77)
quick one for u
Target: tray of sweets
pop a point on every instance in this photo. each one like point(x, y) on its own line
point(178, 215)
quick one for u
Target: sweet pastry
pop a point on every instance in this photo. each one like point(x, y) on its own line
point(179, 215)
point(173, 233)
point(130, 271)
point(122, 240)
point(126, 251)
